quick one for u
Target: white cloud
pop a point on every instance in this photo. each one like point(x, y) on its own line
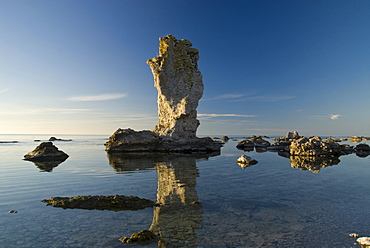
point(334, 117)
point(102, 97)
point(224, 115)
point(3, 90)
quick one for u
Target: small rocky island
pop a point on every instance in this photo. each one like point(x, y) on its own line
point(180, 87)
point(46, 151)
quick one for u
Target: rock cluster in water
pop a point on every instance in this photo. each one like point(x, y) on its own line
point(46, 151)
point(180, 87)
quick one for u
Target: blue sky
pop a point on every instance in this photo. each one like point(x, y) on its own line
point(269, 67)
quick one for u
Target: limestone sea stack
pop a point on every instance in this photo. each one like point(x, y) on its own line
point(180, 87)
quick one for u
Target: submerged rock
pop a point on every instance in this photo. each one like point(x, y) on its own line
point(180, 87)
point(144, 237)
point(46, 151)
point(99, 202)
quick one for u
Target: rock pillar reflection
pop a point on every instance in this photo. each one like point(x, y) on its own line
point(180, 214)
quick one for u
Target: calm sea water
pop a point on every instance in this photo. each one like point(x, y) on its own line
point(270, 204)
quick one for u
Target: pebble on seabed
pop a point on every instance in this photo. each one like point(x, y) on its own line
point(13, 211)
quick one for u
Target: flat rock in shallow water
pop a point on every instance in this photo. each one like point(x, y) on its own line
point(99, 202)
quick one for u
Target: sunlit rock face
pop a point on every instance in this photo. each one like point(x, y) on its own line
point(315, 147)
point(180, 87)
point(179, 84)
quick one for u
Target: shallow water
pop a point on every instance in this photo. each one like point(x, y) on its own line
point(270, 204)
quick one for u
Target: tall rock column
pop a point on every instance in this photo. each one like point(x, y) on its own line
point(180, 87)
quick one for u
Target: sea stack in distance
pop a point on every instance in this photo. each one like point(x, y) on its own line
point(180, 87)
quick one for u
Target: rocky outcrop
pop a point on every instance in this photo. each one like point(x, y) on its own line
point(179, 84)
point(314, 146)
point(46, 151)
point(364, 241)
point(246, 145)
point(144, 237)
point(251, 142)
point(110, 202)
point(57, 139)
point(362, 150)
point(355, 139)
point(245, 161)
point(128, 140)
point(279, 146)
point(292, 135)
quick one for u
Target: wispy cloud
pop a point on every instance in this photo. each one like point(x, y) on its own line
point(263, 98)
point(3, 90)
point(334, 117)
point(23, 111)
point(101, 97)
point(224, 97)
point(245, 98)
point(224, 115)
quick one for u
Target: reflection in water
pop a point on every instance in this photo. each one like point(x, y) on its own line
point(48, 166)
point(312, 163)
point(179, 213)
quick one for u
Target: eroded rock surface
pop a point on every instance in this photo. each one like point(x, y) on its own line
point(180, 87)
point(46, 151)
point(314, 146)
